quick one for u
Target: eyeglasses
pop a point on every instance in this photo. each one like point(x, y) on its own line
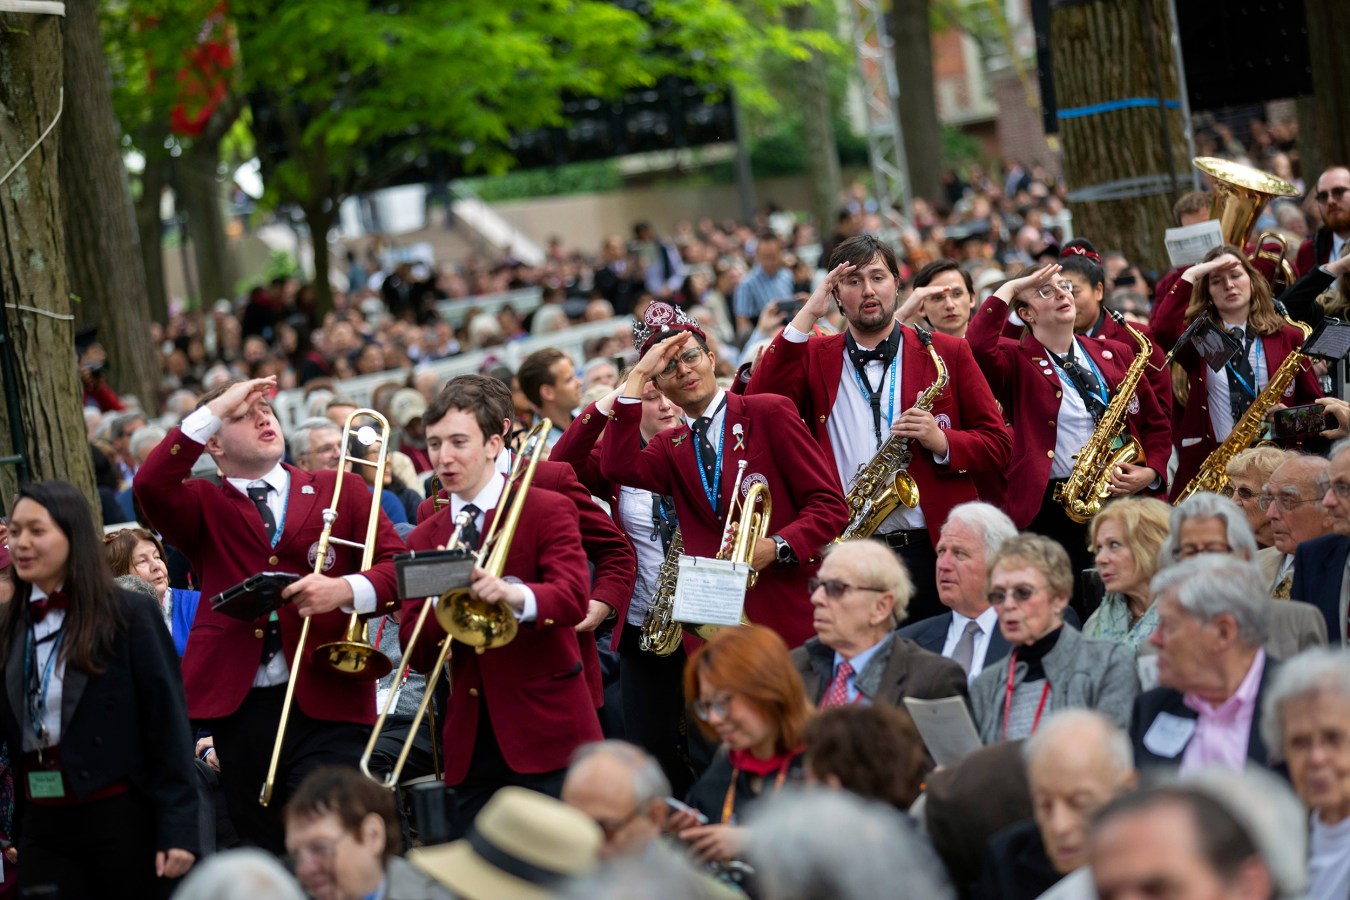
point(1342, 488)
point(612, 828)
point(688, 358)
point(1338, 193)
point(1021, 594)
point(834, 589)
point(1242, 494)
point(1046, 291)
point(1186, 551)
point(704, 710)
point(321, 853)
point(1283, 501)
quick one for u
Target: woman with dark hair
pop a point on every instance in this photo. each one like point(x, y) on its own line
point(94, 708)
point(745, 692)
point(136, 551)
point(1232, 293)
point(872, 751)
point(942, 300)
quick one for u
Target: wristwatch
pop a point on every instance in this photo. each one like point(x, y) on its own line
point(782, 551)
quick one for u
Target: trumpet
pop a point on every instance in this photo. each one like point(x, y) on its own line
point(349, 656)
point(743, 528)
point(391, 780)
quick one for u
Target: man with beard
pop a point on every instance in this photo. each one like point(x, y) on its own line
point(1328, 241)
point(851, 389)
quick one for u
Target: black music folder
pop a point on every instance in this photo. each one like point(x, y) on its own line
point(430, 573)
point(255, 597)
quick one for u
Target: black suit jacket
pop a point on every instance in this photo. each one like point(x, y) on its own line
point(1015, 865)
point(129, 722)
point(931, 635)
point(1149, 704)
point(1318, 567)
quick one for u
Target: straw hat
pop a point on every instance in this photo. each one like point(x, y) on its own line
point(522, 845)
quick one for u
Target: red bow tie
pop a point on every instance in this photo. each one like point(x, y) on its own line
point(54, 600)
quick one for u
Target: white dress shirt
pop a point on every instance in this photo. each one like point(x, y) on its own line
point(635, 517)
point(487, 499)
point(1075, 423)
point(44, 637)
point(988, 621)
point(1216, 384)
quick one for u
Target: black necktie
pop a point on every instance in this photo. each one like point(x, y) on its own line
point(470, 536)
point(258, 494)
point(1240, 371)
point(1087, 385)
point(706, 453)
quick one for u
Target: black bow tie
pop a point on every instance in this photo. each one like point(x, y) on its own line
point(39, 608)
point(877, 355)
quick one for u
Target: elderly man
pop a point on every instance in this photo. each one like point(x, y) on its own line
point(1213, 618)
point(1293, 503)
point(1320, 574)
point(1076, 763)
point(622, 790)
point(860, 589)
point(969, 634)
point(316, 445)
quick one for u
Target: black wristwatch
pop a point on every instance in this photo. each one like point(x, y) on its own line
point(782, 553)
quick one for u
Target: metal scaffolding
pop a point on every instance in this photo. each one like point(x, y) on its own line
point(881, 89)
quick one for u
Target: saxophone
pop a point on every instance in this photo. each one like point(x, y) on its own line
point(884, 482)
point(1213, 474)
point(661, 634)
point(1089, 484)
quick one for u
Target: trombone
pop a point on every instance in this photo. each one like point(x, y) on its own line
point(350, 656)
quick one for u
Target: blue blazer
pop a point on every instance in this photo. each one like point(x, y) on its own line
point(184, 611)
point(931, 634)
point(1319, 565)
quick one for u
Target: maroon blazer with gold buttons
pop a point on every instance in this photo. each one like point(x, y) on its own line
point(220, 532)
point(1031, 393)
point(536, 693)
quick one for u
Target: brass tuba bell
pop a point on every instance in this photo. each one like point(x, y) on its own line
point(1240, 194)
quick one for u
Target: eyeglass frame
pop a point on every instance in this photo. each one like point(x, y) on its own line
point(322, 852)
point(1056, 287)
point(1020, 594)
point(704, 709)
point(689, 357)
point(1326, 485)
point(1338, 192)
point(1286, 503)
point(610, 829)
point(1239, 494)
point(1179, 552)
point(842, 587)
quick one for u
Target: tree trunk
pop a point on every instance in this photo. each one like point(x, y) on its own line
point(1102, 52)
point(36, 301)
point(822, 154)
point(102, 245)
point(911, 31)
point(200, 193)
point(151, 230)
point(320, 217)
point(1326, 136)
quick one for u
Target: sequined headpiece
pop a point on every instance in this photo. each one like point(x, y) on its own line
point(660, 321)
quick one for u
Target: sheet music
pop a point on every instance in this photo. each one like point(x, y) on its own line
point(1188, 244)
point(709, 591)
point(946, 728)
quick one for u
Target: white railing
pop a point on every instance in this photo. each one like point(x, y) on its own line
point(523, 300)
point(290, 405)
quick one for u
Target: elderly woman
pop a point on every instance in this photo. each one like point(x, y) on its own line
point(1208, 523)
point(1306, 721)
point(136, 551)
point(746, 694)
point(1050, 667)
point(1126, 536)
point(1247, 471)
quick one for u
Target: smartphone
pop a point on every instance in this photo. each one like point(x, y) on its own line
point(1298, 421)
point(677, 806)
point(788, 309)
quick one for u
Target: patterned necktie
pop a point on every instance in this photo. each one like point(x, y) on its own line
point(258, 494)
point(1283, 589)
point(963, 654)
point(837, 695)
point(1239, 371)
point(707, 455)
point(470, 535)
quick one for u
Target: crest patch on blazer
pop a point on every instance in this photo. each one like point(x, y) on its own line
point(329, 557)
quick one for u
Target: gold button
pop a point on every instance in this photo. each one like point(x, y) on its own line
point(473, 692)
point(1053, 423)
point(1050, 453)
point(822, 418)
point(272, 560)
point(258, 634)
point(586, 419)
point(548, 621)
point(173, 451)
point(1059, 394)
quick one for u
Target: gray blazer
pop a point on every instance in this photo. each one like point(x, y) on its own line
point(403, 882)
point(1084, 673)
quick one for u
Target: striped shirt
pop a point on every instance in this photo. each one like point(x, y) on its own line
point(758, 289)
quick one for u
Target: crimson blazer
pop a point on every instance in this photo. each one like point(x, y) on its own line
point(808, 506)
point(809, 373)
point(220, 532)
point(606, 547)
point(1031, 395)
point(1191, 428)
point(537, 698)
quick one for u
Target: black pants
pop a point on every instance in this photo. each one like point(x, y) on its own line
point(489, 773)
point(1053, 522)
point(653, 707)
point(103, 848)
point(920, 561)
point(244, 744)
point(421, 760)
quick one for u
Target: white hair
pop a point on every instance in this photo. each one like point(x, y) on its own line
point(243, 874)
point(299, 438)
point(991, 522)
point(145, 438)
point(1076, 727)
point(1214, 584)
point(649, 782)
point(317, 402)
point(1241, 541)
point(1315, 671)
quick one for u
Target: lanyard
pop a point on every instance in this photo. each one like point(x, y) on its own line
point(729, 802)
point(285, 504)
point(1249, 388)
point(874, 398)
point(1008, 695)
point(712, 492)
point(37, 688)
point(1101, 392)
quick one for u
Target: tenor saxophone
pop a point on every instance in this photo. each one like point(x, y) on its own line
point(660, 633)
point(1089, 484)
point(884, 482)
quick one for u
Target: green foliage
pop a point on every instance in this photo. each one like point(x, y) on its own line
point(281, 264)
point(576, 178)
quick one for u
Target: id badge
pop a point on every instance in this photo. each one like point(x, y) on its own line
point(45, 785)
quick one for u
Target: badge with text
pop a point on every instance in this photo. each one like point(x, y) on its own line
point(45, 785)
point(710, 591)
point(1168, 735)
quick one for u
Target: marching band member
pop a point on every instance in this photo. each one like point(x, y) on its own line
point(1227, 288)
point(850, 388)
point(516, 712)
point(1054, 387)
point(696, 464)
point(266, 516)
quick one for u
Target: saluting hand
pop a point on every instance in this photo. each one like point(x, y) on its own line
point(654, 361)
point(817, 306)
point(1218, 264)
point(239, 397)
point(1012, 288)
point(317, 594)
point(911, 311)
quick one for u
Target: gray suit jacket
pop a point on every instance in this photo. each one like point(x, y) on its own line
point(1269, 559)
point(900, 668)
point(1294, 627)
point(1084, 673)
point(403, 882)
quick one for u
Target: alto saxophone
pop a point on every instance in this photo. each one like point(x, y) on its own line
point(884, 482)
point(1089, 484)
point(661, 634)
point(1213, 474)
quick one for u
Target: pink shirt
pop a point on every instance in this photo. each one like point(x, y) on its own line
point(1222, 732)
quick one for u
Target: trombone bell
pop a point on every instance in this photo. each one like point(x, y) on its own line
point(354, 659)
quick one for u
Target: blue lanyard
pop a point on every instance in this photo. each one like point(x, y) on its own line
point(285, 504)
point(711, 493)
point(1250, 389)
point(866, 390)
point(1101, 391)
point(37, 694)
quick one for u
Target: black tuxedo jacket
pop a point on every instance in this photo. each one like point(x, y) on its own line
point(1318, 567)
point(129, 722)
point(1149, 704)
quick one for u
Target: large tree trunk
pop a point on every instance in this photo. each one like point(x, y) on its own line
point(32, 266)
point(102, 245)
point(822, 154)
point(1104, 51)
point(911, 31)
point(199, 191)
point(150, 228)
point(1325, 129)
point(320, 218)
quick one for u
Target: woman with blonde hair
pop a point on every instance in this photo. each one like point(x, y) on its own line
point(1125, 537)
point(1248, 471)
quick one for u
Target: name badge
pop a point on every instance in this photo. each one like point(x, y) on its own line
point(45, 785)
point(1168, 735)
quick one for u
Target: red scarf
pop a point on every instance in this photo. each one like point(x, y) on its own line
point(743, 761)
